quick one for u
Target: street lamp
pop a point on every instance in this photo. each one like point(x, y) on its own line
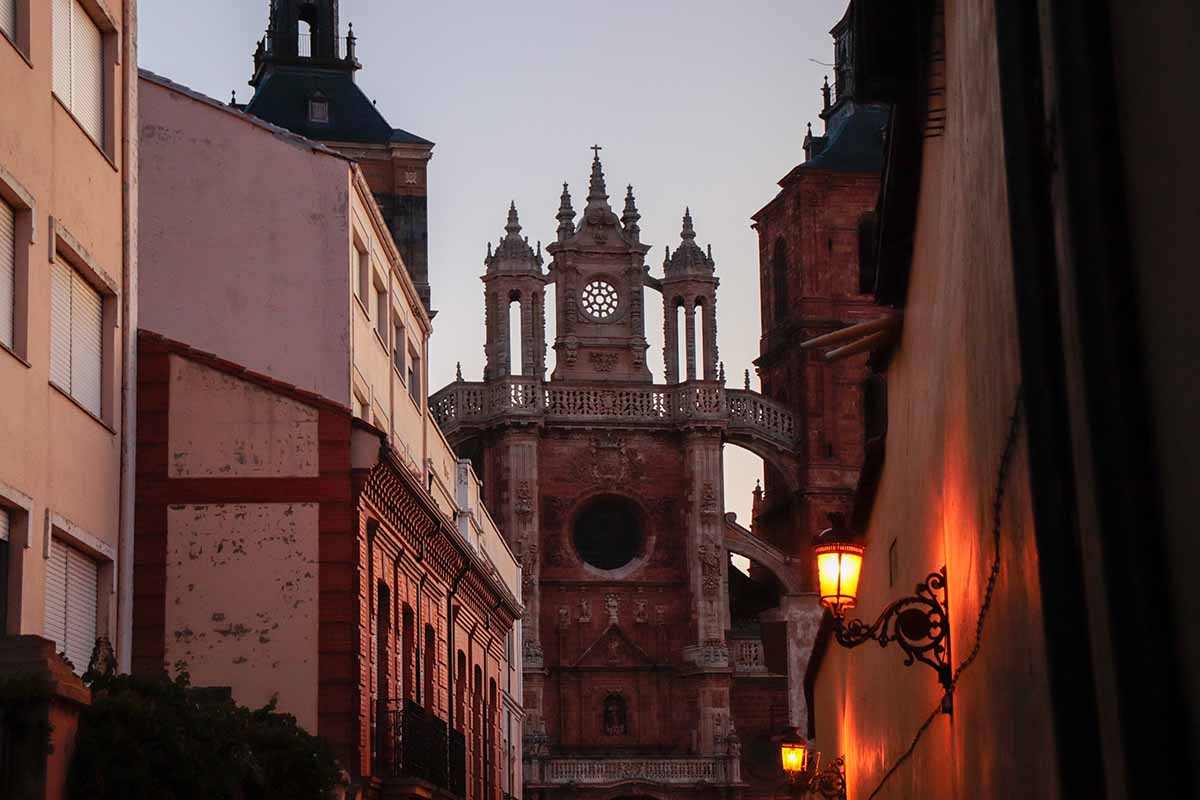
point(919, 623)
point(804, 775)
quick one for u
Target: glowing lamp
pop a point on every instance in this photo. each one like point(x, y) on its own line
point(839, 564)
point(794, 753)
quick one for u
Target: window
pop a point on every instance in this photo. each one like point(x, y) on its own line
point(414, 377)
point(8, 271)
point(8, 19)
point(79, 66)
point(76, 337)
point(362, 274)
point(72, 588)
point(318, 110)
point(615, 716)
point(399, 344)
point(608, 533)
point(5, 536)
point(779, 278)
point(429, 670)
point(381, 310)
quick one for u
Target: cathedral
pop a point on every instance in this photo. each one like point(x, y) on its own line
point(652, 667)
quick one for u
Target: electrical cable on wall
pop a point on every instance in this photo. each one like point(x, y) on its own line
point(997, 509)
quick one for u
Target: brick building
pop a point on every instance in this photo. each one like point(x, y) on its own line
point(304, 81)
point(640, 677)
point(811, 282)
point(304, 529)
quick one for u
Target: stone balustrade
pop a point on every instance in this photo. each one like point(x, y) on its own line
point(748, 656)
point(742, 414)
point(669, 771)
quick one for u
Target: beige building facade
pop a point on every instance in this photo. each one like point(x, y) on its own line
point(68, 266)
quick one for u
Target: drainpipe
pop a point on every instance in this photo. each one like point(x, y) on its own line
point(129, 320)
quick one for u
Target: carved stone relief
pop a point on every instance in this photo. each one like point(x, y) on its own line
point(612, 604)
point(710, 569)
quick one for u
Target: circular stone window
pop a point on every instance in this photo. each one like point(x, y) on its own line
point(608, 534)
point(600, 300)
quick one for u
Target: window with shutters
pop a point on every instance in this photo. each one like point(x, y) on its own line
point(414, 377)
point(72, 592)
point(79, 66)
point(76, 338)
point(399, 344)
point(8, 273)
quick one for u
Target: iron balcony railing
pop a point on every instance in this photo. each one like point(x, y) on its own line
point(417, 745)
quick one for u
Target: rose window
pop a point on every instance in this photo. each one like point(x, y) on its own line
point(600, 300)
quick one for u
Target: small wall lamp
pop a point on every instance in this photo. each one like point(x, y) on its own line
point(919, 623)
point(803, 769)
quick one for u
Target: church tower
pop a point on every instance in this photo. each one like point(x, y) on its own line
point(599, 274)
point(609, 489)
point(303, 81)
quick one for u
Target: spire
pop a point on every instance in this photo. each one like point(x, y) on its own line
point(566, 216)
point(513, 253)
point(688, 258)
point(688, 233)
point(597, 191)
point(825, 94)
point(514, 225)
point(631, 216)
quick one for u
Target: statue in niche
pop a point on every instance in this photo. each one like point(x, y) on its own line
point(612, 605)
point(615, 716)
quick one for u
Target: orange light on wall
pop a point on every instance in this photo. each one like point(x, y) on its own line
point(839, 565)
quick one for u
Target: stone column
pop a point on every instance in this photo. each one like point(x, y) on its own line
point(802, 615)
point(708, 579)
point(671, 342)
point(711, 356)
point(689, 316)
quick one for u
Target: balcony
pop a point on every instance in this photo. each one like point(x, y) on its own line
point(416, 746)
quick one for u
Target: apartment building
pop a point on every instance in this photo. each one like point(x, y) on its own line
point(68, 307)
point(304, 529)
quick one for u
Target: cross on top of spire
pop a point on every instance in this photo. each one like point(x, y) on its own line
point(596, 149)
point(597, 191)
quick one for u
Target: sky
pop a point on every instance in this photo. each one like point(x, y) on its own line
point(699, 104)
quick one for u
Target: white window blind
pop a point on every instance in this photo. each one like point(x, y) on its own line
point(8, 18)
point(76, 337)
point(8, 269)
point(79, 65)
point(72, 588)
point(5, 526)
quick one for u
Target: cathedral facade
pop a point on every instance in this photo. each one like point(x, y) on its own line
point(639, 679)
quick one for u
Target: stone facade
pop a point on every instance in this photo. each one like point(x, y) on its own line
point(611, 488)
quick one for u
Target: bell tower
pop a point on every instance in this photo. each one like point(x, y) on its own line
point(599, 271)
point(303, 32)
point(690, 285)
point(515, 306)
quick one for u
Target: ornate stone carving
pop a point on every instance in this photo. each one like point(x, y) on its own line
point(603, 362)
point(612, 604)
point(709, 506)
point(585, 610)
point(614, 651)
point(564, 616)
point(710, 569)
point(524, 504)
point(639, 611)
point(531, 655)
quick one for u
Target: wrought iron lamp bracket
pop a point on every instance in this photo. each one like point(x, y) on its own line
point(828, 783)
point(919, 624)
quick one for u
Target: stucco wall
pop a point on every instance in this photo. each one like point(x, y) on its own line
point(951, 389)
point(54, 456)
point(243, 242)
point(242, 601)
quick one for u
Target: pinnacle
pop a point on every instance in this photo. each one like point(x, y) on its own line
point(514, 225)
point(688, 233)
point(596, 188)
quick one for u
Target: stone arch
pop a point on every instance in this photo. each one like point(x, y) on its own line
point(783, 461)
point(741, 541)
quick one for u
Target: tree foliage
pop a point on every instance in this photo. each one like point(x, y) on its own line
point(163, 739)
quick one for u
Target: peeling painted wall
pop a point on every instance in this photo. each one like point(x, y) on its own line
point(242, 601)
point(222, 427)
